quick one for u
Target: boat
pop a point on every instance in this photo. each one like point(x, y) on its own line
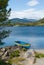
point(23, 44)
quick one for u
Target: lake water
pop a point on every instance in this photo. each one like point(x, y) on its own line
point(33, 35)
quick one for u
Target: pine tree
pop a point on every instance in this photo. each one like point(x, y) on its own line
point(4, 14)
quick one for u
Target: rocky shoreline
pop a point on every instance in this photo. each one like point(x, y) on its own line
point(28, 55)
point(4, 52)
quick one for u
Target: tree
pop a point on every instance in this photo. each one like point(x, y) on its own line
point(4, 14)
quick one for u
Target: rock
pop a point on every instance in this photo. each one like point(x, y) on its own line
point(3, 49)
point(1, 54)
point(29, 53)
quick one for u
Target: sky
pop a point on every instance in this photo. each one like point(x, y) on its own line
point(31, 9)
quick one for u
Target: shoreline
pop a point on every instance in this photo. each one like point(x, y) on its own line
point(37, 49)
point(29, 59)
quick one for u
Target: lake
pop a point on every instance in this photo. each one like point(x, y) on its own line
point(33, 35)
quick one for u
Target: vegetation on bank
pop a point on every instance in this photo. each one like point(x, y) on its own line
point(17, 61)
point(39, 55)
point(15, 54)
point(36, 23)
point(2, 62)
point(15, 57)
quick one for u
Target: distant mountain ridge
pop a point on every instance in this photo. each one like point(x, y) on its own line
point(22, 20)
point(41, 20)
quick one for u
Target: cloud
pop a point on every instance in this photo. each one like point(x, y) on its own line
point(32, 2)
point(29, 13)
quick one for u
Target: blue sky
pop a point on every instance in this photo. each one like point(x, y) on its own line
point(26, 9)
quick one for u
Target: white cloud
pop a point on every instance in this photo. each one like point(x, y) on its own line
point(32, 2)
point(29, 13)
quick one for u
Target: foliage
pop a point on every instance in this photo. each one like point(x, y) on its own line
point(24, 49)
point(36, 23)
point(4, 63)
point(15, 54)
point(17, 60)
point(4, 34)
point(4, 14)
point(39, 55)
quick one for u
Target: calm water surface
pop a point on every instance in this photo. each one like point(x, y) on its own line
point(32, 35)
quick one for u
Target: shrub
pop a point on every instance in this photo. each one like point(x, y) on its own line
point(4, 63)
point(39, 55)
point(24, 49)
point(15, 54)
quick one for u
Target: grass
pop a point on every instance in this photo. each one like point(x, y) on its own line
point(2, 62)
point(17, 61)
point(39, 55)
point(15, 58)
point(24, 49)
point(15, 54)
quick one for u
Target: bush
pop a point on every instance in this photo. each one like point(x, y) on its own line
point(4, 63)
point(15, 54)
point(24, 49)
point(39, 55)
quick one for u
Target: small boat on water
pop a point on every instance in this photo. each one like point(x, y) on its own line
point(23, 44)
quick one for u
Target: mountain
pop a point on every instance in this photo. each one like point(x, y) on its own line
point(41, 20)
point(24, 22)
point(14, 20)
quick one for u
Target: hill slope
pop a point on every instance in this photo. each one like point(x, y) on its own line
point(24, 20)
